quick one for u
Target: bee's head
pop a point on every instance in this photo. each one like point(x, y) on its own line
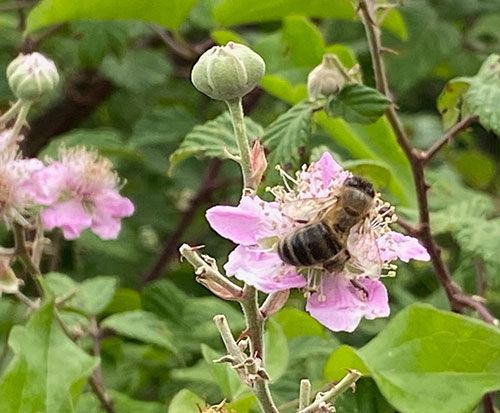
point(362, 184)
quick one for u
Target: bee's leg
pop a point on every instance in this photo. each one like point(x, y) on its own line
point(337, 262)
point(356, 284)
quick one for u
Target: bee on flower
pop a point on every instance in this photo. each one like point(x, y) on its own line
point(327, 232)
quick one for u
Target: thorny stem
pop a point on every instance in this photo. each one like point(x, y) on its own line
point(456, 298)
point(304, 393)
point(237, 116)
point(334, 392)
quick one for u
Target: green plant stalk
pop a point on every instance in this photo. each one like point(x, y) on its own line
point(237, 117)
point(10, 113)
point(21, 117)
point(304, 394)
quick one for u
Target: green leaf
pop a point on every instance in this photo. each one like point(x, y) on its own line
point(125, 404)
point(55, 11)
point(93, 295)
point(375, 171)
point(138, 70)
point(393, 22)
point(288, 133)
point(366, 399)
point(343, 358)
point(305, 42)
point(222, 373)
point(427, 360)
point(142, 326)
point(344, 53)
point(243, 404)
point(222, 37)
point(449, 103)
point(276, 346)
point(249, 11)
point(125, 299)
point(485, 35)
point(467, 162)
point(284, 90)
point(48, 370)
point(296, 323)
point(186, 401)
point(212, 139)
point(357, 103)
point(483, 96)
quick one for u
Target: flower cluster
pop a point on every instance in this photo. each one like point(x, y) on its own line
point(338, 300)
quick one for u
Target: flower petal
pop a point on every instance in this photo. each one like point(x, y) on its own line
point(321, 177)
point(263, 270)
point(245, 224)
point(342, 305)
point(109, 208)
point(401, 246)
point(70, 216)
point(46, 184)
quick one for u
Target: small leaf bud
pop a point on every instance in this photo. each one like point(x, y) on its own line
point(31, 76)
point(228, 72)
point(326, 79)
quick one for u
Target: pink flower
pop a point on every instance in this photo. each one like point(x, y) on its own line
point(15, 199)
point(80, 191)
point(340, 300)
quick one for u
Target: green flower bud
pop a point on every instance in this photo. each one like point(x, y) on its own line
point(227, 72)
point(326, 79)
point(31, 76)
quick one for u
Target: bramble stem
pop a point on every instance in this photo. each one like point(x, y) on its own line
point(10, 113)
point(304, 394)
point(334, 392)
point(237, 116)
point(457, 299)
point(255, 321)
point(21, 251)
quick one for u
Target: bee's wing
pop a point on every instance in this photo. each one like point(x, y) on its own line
point(362, 244)
point(307, 209)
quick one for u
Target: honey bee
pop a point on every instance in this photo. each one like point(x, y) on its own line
point(323, 240)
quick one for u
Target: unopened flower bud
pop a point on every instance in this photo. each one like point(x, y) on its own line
point(228, 72)
point(326, 79)
point(31, 76)
point(8, 281)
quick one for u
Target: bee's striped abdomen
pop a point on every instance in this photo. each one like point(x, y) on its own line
point(309, 245)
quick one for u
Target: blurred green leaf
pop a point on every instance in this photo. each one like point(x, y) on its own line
point(305, 42)
point(93, 295)
point(125, 299)
point(343, 358)
point(484, 34)
point(137, 70)
point(48, 371)
point(186, 401)
point(222, 37)
point(428, 360)
point(142, 326)
point(366, 399)
point(288, 133)
point(476, 168)
point(122, 403)
point(248, 11)
point(375, 171)
point(393, 22)
point(344, 53)
point(297, 323)
point(222, 373)
point(450, 101)
point(213, 139)
point(357, 103)
point(276, 356)
point(283, 89)
point(55, 11)
point(243, 404)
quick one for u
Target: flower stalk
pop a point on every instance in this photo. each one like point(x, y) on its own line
point(238, 120)
point(21, 117)
point(304, 394)
point(10, 113)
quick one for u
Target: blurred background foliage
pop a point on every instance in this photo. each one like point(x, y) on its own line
point(126, 91)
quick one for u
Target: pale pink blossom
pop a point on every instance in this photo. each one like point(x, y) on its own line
point(15, 199)
point(341, 300)
point(80, 191)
